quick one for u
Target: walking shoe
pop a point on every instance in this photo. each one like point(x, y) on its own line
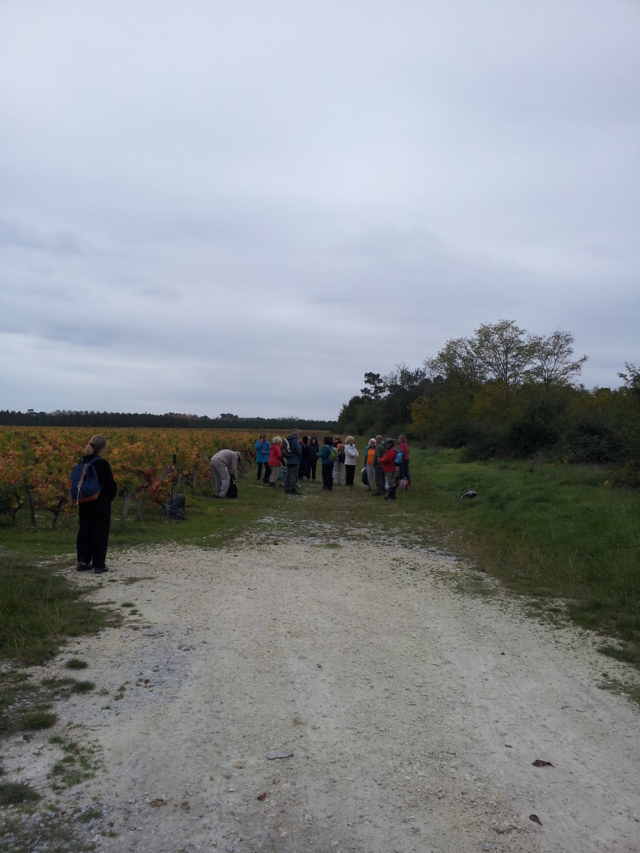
point(101, 571)
point(83, 567)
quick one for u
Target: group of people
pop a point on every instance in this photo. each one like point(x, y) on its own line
point(384, 464)
point(384, 467)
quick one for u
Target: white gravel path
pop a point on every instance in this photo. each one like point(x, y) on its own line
point(413, 710)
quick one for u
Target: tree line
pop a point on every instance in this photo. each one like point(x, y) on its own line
point(503, 392)
point(171, 420)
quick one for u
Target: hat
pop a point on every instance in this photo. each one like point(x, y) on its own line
point(295, 431)
point(389, 440)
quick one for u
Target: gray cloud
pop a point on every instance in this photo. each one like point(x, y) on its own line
point(195, 203)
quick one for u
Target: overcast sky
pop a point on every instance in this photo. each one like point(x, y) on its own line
point(243, 206)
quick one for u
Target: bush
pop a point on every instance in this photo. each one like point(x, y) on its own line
point(590, 442)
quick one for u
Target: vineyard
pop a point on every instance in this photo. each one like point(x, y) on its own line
point(148, 464)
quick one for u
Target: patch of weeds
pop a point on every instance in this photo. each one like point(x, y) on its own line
point(621, 688)
point(56, 740)
point(89, 814)
point(36, 720)
point(120, 693)
point(626, 653)
point(74, 767)
point(76, 663)
point(83, 686)
point(39, 608)
point(129, 581)
point(127, 604)
point(12, 793)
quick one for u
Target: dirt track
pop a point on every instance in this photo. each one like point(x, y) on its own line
point(413, 710)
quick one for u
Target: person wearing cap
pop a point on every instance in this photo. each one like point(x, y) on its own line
point(94, 516)
point(388, 463)
point(224, 466)
point(293, 463)
point(377, 467)
point(262, 457)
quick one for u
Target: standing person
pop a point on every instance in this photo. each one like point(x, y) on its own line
point(293, 462)
point(388, 463)
point(327, 463)
point(377, 467)
point(312, 457)
point(403, 447)
point(94, 516)
point(350, 458)
point(275, 461)
point(304, 464)
point(262, 457)
point(224, 466)
point(368, 463)
point(338, 465)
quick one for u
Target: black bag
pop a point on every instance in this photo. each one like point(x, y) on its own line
point(365, 477)
point(232, 491)
point(174, 508)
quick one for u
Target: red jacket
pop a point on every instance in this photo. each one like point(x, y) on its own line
point(275, 456)
point(388, 461)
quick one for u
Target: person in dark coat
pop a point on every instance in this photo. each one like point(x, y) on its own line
point(95, 516)
point(304, 464)
point(312, 457)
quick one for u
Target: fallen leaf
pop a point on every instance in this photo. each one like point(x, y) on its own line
point(540, 763)
point(508, 746)
point(146, 681)
point(262, 796)
point(535, 819)
point(158, 802)
point(185, 805)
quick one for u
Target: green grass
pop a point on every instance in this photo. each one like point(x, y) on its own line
point(36, 720)
point(83, 687)
point(76, 663)
point(39, 609)
point(12, 793)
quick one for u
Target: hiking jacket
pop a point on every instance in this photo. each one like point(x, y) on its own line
point(262, 451)
point(275, 456)
point(325, 454)
point(350, 454)
point(404, 447)
point(105, 478)
point(388, 461)
point(296, 449)
point(380, 451)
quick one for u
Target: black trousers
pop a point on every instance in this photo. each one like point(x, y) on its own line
point(327, 477)
point(351, 472)
point(93, 534)
point(380, 481)
point(267, 471)
point(311, 468)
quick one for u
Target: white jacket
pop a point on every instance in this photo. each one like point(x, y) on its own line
point(350, 454)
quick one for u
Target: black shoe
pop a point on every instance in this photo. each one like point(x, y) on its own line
point(101, 571)
point(83, 567)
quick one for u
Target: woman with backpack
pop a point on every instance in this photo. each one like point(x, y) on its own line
point(94, 515)
point(312, 457)
point(350, 458)
point(304, 458)
point(327, 456)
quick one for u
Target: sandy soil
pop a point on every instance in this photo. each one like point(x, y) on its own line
point(413, 709)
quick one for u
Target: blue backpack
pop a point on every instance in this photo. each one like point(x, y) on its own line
point(84, 482)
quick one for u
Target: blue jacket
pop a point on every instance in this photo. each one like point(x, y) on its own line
point(262, 451)
point(325, 455)
point(296, 449)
